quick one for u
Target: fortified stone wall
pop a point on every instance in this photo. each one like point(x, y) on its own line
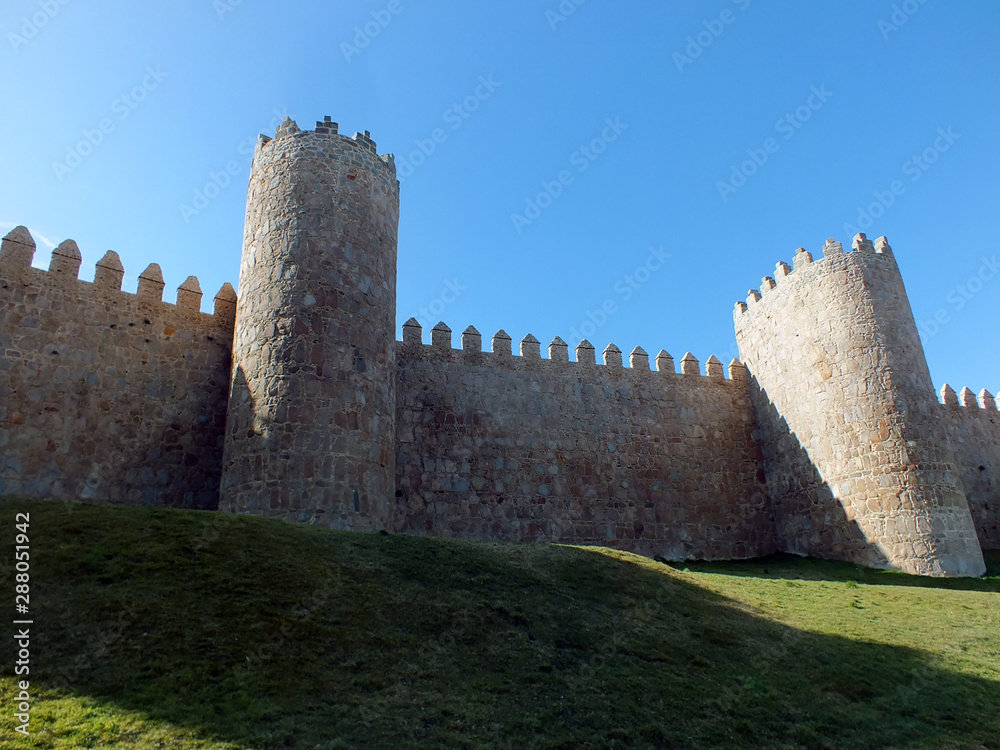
point(973, 426)
point(495, 446)
point(107, 396)
point(855, 451)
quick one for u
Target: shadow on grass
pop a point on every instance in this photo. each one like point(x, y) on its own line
point(784, 566)
point(267, 635)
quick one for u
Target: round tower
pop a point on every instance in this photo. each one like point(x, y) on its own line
point(311, 424)
point(856, 460)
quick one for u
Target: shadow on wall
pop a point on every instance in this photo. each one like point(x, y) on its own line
point(811, 520)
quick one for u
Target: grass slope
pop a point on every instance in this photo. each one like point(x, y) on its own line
point(170, 629)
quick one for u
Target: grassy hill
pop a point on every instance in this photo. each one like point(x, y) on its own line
point(170, 629)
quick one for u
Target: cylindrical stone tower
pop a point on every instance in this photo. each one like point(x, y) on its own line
point(856, 460)
point(311, 422)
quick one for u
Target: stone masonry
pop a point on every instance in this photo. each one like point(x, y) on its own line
point(827, 440)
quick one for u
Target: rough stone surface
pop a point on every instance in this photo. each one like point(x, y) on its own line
point(517, 448)
point(312, 412)
point(829, 442)
point(106, 396)
point(856, 457)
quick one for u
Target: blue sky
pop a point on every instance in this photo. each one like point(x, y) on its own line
point(569, 166)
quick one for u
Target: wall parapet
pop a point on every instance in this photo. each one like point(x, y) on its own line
point(17, 254)
point(502, 356)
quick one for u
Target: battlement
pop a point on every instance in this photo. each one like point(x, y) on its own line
point(502, 356)
point(17, 254)
point(290, 129)
point(789, 274)
point(966, 398)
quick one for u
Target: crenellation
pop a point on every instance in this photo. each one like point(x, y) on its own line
point(151, 284)
point(690, 365)
point(638, 360)
point(967, 398)
point(501, 345)
point(296, 401)
point(110, 272)
point(862, 244)
point(441, 337)
point(189, 295)
point(472, 341)
point(558, 350)
point(714, 368)
point(665, 363)
point(17, 252)
point(612, 356)
point(66, 261)
point(948, 395)
point(531, 348)
point(802, 258)
point(412, 333)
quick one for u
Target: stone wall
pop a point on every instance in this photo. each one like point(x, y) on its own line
point(495, 446)
point(973, 425)
point(856, 456)
point(107, 396)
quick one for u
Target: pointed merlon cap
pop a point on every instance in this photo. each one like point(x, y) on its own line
point(638, 359)
point(665, 363)
point(531, 348)
point(987, 401)
point(739, 308)
point(862, 244)
point(189, 295)
point(66, 260)
point(110, 272)
point(948, 395)
point(558, 350)
point(585, 353)
point(714, 368)
point(967, 398)
point(738, 372)
point(753, 297)
point(472, 340)
point(832, 247)
point(501, 343)
point(882, 246)
point(225, 302)
point(151, 284)
point(17, 250)
point(689, 365)
point(412, 332)
point(782, 269)
point(288, 126)
point(441, 336)
point(767, 284)
point(612, 356)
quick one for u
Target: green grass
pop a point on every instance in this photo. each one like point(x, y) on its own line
point(171, 629)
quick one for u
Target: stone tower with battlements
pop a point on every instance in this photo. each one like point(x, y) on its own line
point(296, 401)
point(855, 450)
point(311, 419)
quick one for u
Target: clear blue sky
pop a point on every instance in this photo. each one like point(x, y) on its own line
point(183, 88)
